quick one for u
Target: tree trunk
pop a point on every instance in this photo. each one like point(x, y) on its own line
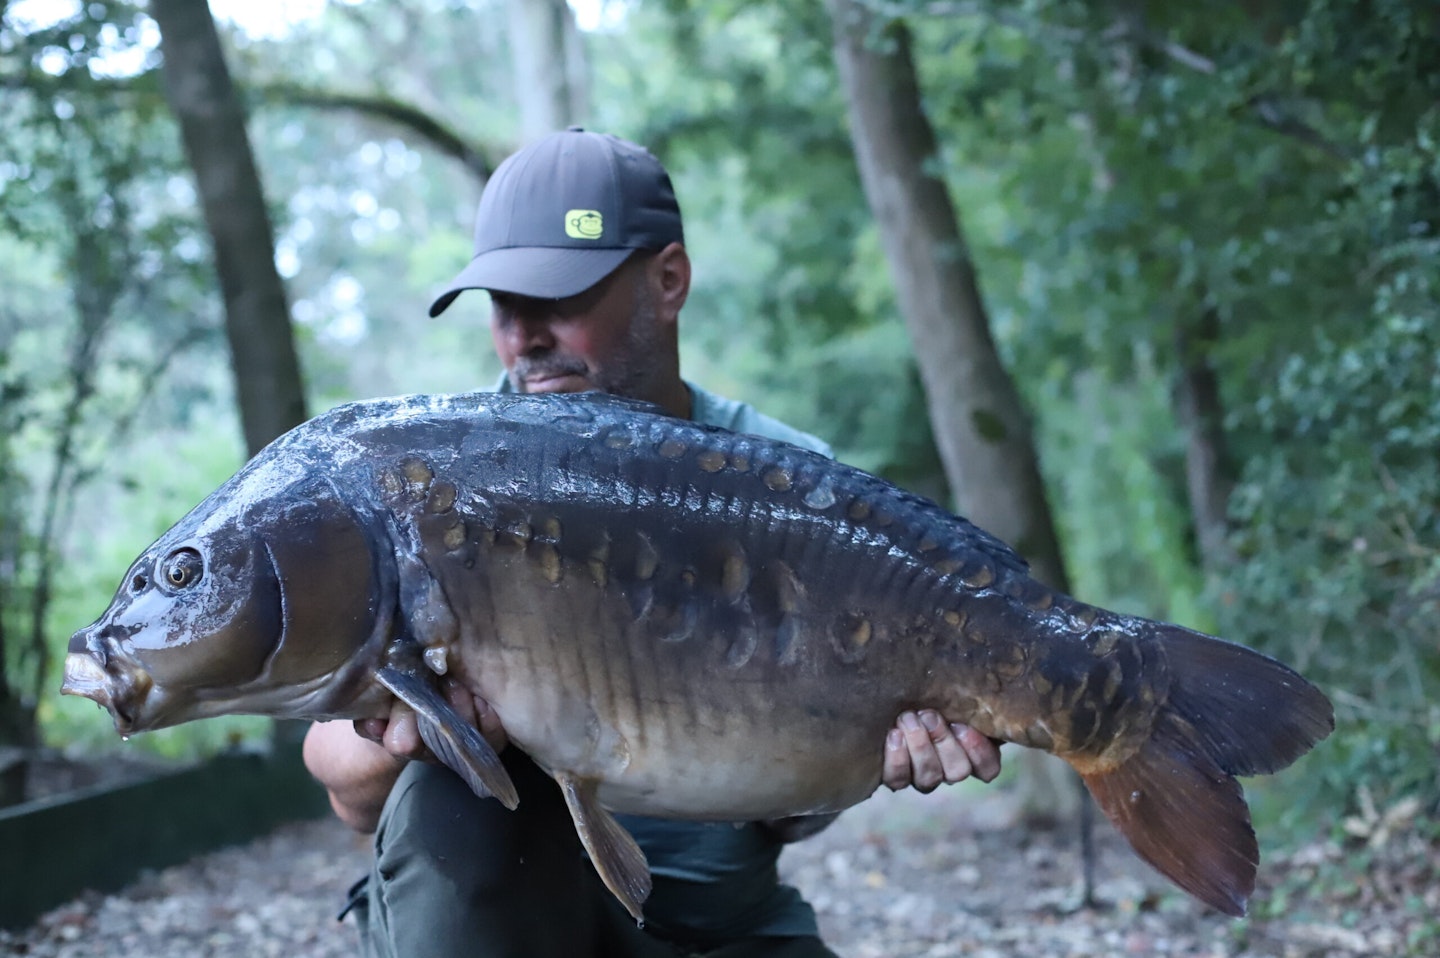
point(268, 386)
point(980, 425)
point(1208, 472)
point(17, 729)
point(257, 314)
point(15, 725)
point(577, 65)
point(549, 67)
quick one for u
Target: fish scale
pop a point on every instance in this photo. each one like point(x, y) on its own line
point(672, 619)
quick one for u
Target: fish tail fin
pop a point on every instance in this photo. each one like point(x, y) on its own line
point(1230, 711)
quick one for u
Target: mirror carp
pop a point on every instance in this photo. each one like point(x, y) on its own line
point(672, 620)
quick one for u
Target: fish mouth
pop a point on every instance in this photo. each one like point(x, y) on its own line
point(122, 688)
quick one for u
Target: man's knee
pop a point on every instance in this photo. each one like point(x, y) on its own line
point(475, 846)
point(452, 869)
point(434, 823)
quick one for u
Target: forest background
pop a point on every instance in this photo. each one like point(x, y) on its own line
point(1202, 244)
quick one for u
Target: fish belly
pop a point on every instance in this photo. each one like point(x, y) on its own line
point(701, 723)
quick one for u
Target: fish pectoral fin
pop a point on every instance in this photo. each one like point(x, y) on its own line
point(456, 743)
point(620, 862)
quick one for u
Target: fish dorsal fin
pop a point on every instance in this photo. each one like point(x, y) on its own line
point(617, 858)
point(457, 744)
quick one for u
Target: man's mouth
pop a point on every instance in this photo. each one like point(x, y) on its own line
point(551, 379)
point(564, 382)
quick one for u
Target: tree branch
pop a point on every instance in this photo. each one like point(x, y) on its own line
point(1264, 109)
point(477, 158)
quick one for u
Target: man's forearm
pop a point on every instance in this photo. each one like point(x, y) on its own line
point(358, 774)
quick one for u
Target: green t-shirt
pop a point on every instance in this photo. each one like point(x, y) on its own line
point(716, 881)
point(716, 410)
point(738, 416)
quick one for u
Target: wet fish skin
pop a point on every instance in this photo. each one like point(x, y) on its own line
point(675, 620)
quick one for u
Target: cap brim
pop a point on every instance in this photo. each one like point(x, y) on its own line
point(538, 271)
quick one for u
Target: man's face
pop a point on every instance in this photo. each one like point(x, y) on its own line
point(606, 338)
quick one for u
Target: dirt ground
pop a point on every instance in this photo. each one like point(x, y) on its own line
point(902, 876)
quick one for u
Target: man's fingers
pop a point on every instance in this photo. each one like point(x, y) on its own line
point(923, 733)
point(924, 750)
point(896, 771)
point(941, 749)
point(372, 729)
point(982, 753)
point(402, 734)
point(490, 725)
point(460, 700)
point(475, 711)
point(954, 758)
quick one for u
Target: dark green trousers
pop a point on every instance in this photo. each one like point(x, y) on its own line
point(458, 876)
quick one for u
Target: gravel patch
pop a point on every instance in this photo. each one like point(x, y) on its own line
point(901, 876)
point(277, 896)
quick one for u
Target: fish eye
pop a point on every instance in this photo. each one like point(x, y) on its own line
point(181, 568)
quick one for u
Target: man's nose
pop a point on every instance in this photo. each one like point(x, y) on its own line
point(530, 332)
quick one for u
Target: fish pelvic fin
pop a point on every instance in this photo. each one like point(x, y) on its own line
point(1230, 711)
point(454, 742)
point(618, 859)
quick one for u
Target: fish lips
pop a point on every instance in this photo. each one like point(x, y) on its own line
point(96, 669)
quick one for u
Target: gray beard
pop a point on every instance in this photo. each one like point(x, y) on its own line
point(631, 374)
point(635, 372)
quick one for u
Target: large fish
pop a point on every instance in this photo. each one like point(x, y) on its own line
point(673, 620)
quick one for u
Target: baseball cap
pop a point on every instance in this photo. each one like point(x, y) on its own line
point(563, 213)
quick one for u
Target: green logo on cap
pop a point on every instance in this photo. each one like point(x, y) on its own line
point(584, 224)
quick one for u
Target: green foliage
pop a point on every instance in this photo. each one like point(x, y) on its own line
point(1339, 566)
point(101, 298)
point(790, 306)
point(1155, 164)
point(1111, 449)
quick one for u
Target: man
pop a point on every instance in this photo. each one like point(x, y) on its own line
point(579, 243)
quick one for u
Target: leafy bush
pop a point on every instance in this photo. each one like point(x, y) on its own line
point(1339, 546)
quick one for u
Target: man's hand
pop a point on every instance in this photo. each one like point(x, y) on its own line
point(358, 763)
point(923, 750)
point(400, 733)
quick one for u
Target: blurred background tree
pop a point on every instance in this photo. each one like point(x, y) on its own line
point(1205, 239)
